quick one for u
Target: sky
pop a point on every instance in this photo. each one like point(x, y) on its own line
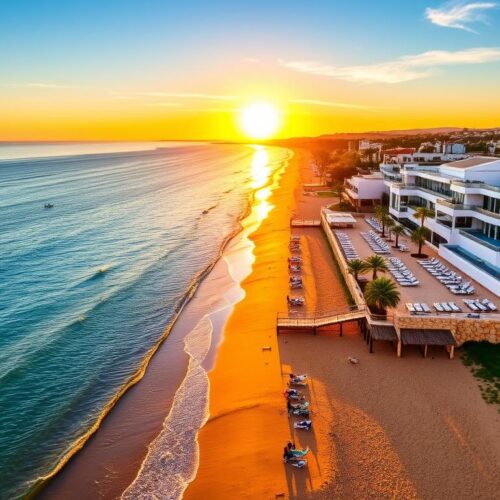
point(151, 70)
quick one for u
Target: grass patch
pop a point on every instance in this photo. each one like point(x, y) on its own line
point(483, 359)
point(339, 274)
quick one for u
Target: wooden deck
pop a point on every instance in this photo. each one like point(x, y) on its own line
point(305, 222)
point(312, 322)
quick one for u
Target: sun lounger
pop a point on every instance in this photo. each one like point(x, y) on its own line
point(418, 307)
point(425, 307)
point(438, 307)
point(480, 306)
point(410, 307)
point(471, 305)
point(445, 306)
point(454, 307)
point(489, 304)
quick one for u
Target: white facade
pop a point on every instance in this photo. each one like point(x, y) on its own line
point(365, 191)
point(465, 198)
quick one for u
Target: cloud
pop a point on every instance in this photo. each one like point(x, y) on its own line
point(459, 14)
point(403, 69)
point(330, 104)
point(165, 104)
point(40, 85)
point(211, 97)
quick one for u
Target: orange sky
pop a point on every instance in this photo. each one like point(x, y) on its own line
point(107, 71)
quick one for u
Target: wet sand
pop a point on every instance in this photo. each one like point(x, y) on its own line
point(385, 428)
point(241, 444)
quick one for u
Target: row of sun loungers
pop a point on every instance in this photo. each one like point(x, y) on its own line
point(446, 307)
point(449, 278)
point(371, 221)
point(484, 305)
point(418, 307)
point(295, 270)
point(375, 242)
point(347, 246)
point(401, 273)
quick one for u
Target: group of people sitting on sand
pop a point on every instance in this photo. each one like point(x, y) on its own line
point(296, 406)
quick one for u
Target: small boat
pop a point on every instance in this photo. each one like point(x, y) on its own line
point(48, 205)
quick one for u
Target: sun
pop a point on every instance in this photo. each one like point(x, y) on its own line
point(260, 120)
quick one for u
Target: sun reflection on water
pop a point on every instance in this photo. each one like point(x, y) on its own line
point(261, 173)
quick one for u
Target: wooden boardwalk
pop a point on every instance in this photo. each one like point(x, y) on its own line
point(304, 321)
point(305, 223)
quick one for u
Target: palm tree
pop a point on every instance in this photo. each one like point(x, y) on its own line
point(338, 189)
point(422, 213)
point(376, 263)
point(381, 214)
point(418, 236)
point(389, 224)
point(381, 294)
point(398, 230)
point(356, 267)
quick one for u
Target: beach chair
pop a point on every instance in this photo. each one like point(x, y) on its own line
point(410, 307)
point(489, 304)
point(480, 306)
point(471, 305)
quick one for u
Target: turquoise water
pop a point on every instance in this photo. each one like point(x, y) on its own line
point(88, 287)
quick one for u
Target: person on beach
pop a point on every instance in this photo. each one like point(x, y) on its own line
point(287, 454)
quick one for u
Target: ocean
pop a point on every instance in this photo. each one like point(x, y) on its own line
point(90, 287)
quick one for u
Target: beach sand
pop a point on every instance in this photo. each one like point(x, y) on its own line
point(248, 425)
point(385, 428)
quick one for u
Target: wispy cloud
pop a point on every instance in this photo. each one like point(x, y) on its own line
point(40, 85)
point(211, 97)
point(459, 14)
point(330, 104)
point(165, 104)
point(404, 69)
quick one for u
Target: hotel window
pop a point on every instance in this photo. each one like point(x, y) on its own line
point(458, 198)
point(435, 186)
point(463, 221)
point(491, 231)
point(491, 204)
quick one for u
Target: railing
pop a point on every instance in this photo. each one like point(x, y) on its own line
point(454, 206)
point(317, 320)
point(476, 184)
point(486, 212)
point(464, 232)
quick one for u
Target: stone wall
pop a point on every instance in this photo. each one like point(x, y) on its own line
point(463, 329)
point(352, 284)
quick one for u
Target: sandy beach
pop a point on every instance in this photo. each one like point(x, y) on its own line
point(386, 428)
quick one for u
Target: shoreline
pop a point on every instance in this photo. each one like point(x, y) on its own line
point(248, 427)
point(55, 485)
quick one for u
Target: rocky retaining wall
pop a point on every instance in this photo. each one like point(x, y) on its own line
point(463, 329)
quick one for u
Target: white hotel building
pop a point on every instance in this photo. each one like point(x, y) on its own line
point(465, 198)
